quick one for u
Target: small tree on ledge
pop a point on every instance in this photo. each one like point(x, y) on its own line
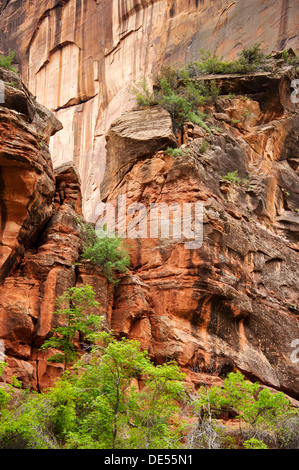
point(76, 304)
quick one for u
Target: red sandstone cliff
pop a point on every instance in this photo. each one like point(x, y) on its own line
point(233, 303)
point(80, 58)
point(230, 304)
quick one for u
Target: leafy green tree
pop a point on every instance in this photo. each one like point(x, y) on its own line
point(258, 407)
point(156, 417)
point(42, 420)
point(77, 305)
point(117, 414)
point(251, 403)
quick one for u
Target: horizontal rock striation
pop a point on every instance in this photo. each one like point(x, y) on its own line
point(81, 57)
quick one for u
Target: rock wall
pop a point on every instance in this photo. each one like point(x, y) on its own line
point(39, 238)
point(27, 180)
point(80, 58)
point(231, 302)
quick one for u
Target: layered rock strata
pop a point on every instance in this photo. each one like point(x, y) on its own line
point(231, 303)
point(81, 57)
point(40, 239)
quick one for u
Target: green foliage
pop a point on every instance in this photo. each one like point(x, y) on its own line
point(41, 419)
point(111, 408)
point(2, 367)
point(249, 60)
point(285, 56)
point(289, 58)
point(96, 403)
point(6, 391)
point(114, 397)
point(175, 152)
point(259, 408)
point(157, 405)
point(97, 406)
point(105, 250)
point(204, 147)
point(178, 94)
point(143, 96)
point(12, 84)
point(253, 54)
point(76, 311)
point(232, 176)
point(254, 444)
point(5, 396)
point(251, 404)
point(182, 91)
point(6, 61)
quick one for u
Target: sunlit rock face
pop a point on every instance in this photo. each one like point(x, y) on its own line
point(80, 57)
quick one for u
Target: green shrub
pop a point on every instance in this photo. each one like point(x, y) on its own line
point(204, 147)
point(180, 96)
point(174, 152)
point(232, 176)
point(105, 250)
point(261, 409)
point(6, 61)
point(143, 96)
point(250, 59)
point(289, 59)
point(181, 92)
point(254, 444)
point(253, 54)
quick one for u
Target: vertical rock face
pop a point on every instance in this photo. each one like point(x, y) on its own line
point(39, 239)
point(231, 302)
point(27, 179)
point(80, 58)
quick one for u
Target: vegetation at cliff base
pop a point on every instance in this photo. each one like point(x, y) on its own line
point(97, 404)
point(112, 396)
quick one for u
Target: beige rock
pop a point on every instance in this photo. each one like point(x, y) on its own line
point(135, 135)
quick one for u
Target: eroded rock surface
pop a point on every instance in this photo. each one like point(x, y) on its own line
point(137, 134)
point(233, 302)
point(27, 180)
point(81, 57)
point(40, 239)
point(230, 304)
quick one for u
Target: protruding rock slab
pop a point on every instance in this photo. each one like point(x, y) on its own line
point(136, 134)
